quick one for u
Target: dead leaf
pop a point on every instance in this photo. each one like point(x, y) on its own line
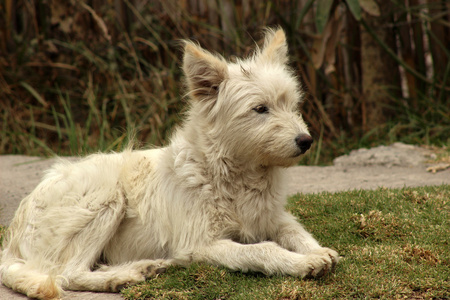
point(101, 24)
point(438, 167)
point(324, 47)
point(370, 7)
point(50, 47)
point(337, 25)
point(60, 15)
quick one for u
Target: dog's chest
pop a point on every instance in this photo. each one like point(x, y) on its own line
point(246, 215)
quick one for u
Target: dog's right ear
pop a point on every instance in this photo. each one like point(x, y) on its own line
point(204, 72)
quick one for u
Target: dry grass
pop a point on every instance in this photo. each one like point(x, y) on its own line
point(377, 225)
point(78, 77)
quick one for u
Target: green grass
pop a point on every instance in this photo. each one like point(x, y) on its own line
point(394, 242)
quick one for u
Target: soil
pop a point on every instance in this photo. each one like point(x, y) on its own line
point(393, 166)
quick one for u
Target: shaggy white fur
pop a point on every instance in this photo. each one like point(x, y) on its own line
point(214, 195)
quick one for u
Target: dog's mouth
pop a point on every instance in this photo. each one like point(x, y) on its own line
point(299, 152)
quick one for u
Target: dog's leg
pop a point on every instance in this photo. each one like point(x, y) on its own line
point(114, 278)
point(74, 237)
point(267, 257)
point(25, 279)
point(85, 234)
point(66, 240)
point(292, 236)
point(86, 247)
point(69, 240)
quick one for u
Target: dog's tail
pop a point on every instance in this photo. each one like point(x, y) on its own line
point(26, 279)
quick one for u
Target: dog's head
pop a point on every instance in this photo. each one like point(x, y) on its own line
point(248, 109)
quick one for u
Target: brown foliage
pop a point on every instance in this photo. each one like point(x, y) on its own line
point(117, 62)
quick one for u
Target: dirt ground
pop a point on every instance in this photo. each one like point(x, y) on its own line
point(394, 166)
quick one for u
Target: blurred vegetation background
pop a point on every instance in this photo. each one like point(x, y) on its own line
point(79, 76)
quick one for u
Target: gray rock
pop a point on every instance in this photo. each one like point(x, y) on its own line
point(398, 154)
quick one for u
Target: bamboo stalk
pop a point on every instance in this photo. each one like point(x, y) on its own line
point(393, 55)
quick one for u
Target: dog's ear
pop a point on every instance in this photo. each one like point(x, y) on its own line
point(275, 47)
point(204, 71)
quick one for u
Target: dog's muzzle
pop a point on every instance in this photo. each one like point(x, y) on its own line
point(304, 142)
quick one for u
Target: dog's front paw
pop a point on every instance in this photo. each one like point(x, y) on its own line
point(334, 256)
point(150, 269)
point(319, 262)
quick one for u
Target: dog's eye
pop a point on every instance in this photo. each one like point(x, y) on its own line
point(261, 109)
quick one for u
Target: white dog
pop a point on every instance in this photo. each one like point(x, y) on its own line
point(214, 195)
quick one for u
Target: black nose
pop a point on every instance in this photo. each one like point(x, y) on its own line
point(304, 142)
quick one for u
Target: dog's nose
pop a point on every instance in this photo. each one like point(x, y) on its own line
point(304, 142)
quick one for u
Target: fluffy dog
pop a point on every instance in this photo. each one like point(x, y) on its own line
point(213, 195)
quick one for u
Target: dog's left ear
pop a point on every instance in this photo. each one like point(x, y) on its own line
point(275, 47)
point(204, 72)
